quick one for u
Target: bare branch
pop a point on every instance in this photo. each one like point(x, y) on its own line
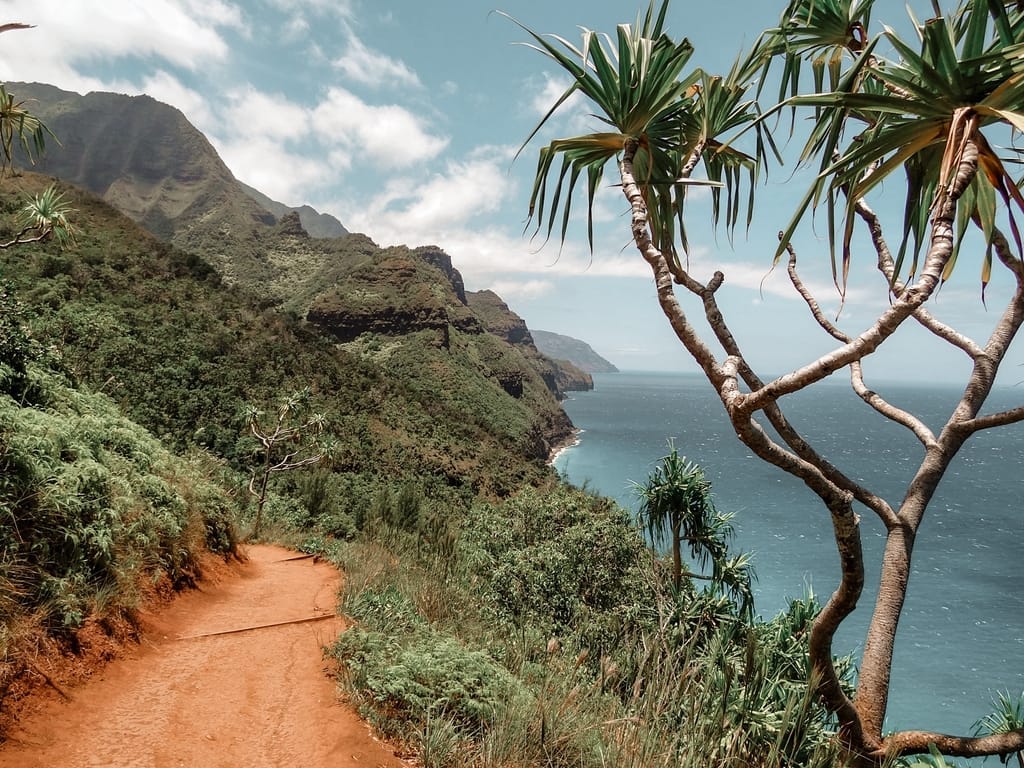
point(988, 421)
point(21, 239)
point(914, 742)
point(1005, 255)
point(890, 320)
point(887, 409)
point(812, 303)
point(887, 267)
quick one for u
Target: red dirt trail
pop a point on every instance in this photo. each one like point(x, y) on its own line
point(260, 698)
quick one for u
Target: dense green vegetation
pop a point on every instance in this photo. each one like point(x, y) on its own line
point(183, 354)
point(95, 510)
point(127, 370)
point(542, 632)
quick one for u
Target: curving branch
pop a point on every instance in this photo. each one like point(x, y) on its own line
point(42, 233)
point(887, 266)
point(903, 307)
point(989, 421)
point(872, 398)
point(916, 742)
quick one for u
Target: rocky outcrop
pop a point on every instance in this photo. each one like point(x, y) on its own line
point(318, 225)
point(438, 258)
point(397, 293)
point(571, 379)
point(559, 376)
point(290, 225)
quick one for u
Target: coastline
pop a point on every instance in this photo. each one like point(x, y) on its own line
point(571, 441)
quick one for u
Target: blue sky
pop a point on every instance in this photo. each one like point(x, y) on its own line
point(401, 118)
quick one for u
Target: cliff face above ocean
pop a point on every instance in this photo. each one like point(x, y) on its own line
point(144, 158)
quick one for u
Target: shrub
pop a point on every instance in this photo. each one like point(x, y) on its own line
point(424, 675)
point(92, 502)
point(552, 558)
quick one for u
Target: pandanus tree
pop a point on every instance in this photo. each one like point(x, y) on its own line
point(931, 117)
point(17, 122)
point(44, 216)
point(676, 505)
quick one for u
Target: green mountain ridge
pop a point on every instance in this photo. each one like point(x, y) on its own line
point(164, 174)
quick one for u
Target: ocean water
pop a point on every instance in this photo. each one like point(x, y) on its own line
point(961, 637)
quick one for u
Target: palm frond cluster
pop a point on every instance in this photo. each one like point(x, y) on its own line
point(955, 89)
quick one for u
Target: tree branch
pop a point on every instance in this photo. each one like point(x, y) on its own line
point(915, 742)
point(988, 421)
point(887, 267)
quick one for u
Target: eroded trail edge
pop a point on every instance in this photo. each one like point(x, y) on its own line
point(230, 674)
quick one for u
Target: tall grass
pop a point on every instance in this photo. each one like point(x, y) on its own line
point(667, 679)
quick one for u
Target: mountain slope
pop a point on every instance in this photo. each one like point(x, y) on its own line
point(315, 223)
point(182, 353)
point(560, 347)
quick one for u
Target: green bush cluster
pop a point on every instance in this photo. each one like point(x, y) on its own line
point(558, 560)
point(609, 665)
point(92, 502)
point(403, 668)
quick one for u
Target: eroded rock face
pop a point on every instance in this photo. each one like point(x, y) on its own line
point(438, 258)
point(571, 379)
point(500, 320)
point(290, 225)
point(398, 292)
point(558, 375)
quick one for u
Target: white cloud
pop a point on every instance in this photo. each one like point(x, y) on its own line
point(71, 35)
point(342, 9)
point(466, 190)
point(521, 290)
point(278, 173)
point(574, 116)
point(296, 28)
point(253, 113)
point(163, 86)
point(390, 135)
point(373, 68)
point(216, 12)
point(77, 32)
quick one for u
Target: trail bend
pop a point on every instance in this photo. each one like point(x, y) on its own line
point(199, 693)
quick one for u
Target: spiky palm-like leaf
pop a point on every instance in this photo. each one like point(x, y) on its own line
point(920, 113)
point(43, 217)
point(637, 85)
point(16, 122)
point(634, 82)
point(823, 31)
point(1008, 716)
point(48, 213)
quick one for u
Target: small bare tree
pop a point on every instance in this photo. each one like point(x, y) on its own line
point(287, 442)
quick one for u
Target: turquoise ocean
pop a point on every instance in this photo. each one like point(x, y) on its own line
point(961, 638)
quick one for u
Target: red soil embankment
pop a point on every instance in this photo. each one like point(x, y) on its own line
point(200, 694)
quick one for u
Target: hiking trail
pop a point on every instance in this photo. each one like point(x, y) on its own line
point(230, 674)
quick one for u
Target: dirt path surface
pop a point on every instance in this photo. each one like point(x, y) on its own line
point(190, 698)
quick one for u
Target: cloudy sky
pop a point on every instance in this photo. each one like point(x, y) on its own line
point(402, 118)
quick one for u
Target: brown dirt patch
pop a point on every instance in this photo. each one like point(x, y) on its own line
point(196, 691)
